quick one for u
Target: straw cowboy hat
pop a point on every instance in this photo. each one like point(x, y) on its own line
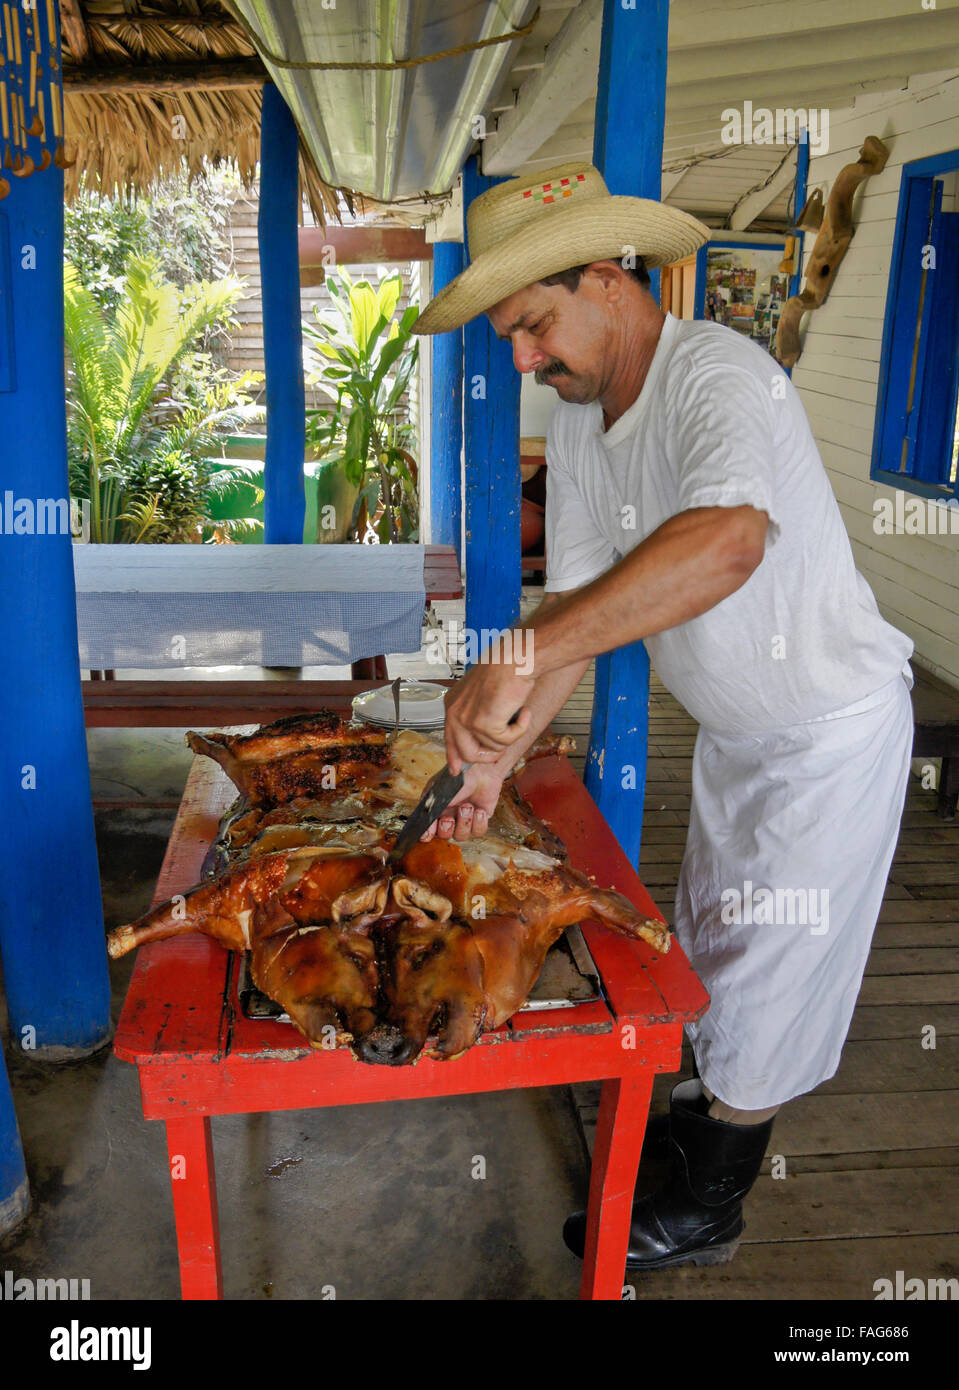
point(525, 229)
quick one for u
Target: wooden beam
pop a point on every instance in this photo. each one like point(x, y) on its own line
point(831, 81)
point(565, 81)
point(696, 26)
point(74, 30)
point(218, 24)
point(671, 179)
point(742, 62)
point(165, 77)
point(448, 226)
point(752, 204)
point(362, 245)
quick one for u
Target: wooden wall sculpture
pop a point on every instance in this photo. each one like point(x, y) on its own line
point(831, 243)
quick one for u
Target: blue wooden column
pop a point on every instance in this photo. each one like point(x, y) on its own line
point(446, 426)
point(628, 150)
point(491, 435)
point(277, 223)
point(799, 200)
point(14, 1186)
point(51, 925)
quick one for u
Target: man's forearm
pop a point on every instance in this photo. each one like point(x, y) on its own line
point(550, 694)
point(683, 569)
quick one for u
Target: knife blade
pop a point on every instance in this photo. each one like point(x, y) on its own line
point(440, 790)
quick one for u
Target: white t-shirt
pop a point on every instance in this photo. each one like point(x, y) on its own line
point(719, 424)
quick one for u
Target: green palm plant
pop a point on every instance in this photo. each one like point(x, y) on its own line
point(364, 357)
point(118, 363)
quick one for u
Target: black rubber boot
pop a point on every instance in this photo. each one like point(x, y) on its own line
point(696, 1218)
point(656, 1139)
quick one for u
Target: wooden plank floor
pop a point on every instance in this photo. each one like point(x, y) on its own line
point(870, 1160)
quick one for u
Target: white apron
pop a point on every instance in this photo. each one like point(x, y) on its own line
point(791, 835)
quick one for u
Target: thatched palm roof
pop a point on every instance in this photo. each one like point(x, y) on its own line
point(149, 84)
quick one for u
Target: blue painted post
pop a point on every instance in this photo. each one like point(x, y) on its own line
point(446, 429)
point(628, 150)
point(14, 1186)
point(277, 221)
point(491, 433)
point(51, 923)
point(799, 199)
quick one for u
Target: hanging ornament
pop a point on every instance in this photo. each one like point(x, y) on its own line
point(29, 75)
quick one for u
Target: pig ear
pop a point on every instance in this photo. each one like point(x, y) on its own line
point(360, 906)
point(419, 902)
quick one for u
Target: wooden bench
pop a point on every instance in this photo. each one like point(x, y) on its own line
point(935, 708)
point(198, 1055)
point(209, 704)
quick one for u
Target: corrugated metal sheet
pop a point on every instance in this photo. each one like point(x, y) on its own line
point(394, 133)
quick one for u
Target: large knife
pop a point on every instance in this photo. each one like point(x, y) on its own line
point(440, 791)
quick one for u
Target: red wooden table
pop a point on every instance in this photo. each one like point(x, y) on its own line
point(198, 1056)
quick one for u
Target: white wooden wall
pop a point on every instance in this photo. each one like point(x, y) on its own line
point(915, 578)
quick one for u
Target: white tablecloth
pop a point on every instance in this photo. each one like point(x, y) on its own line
point(155, 606)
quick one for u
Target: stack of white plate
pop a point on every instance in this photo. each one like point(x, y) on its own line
point(421, 705)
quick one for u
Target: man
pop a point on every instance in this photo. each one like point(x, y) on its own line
point(687, 505)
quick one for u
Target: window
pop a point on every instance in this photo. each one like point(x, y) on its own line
point(742, 285)
point(914, 442)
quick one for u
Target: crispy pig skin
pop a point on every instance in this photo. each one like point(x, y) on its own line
point(394, 961)
point(302, 773)
point(299, 733)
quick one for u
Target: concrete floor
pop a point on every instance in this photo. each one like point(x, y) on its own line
point(377, 1201)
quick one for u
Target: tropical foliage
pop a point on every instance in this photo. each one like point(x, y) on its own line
point(364, 356)
point(184, 223)
point(136, 449)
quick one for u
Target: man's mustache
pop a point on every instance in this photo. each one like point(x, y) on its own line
point(557, 368)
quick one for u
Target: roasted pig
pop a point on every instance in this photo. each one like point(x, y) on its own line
point(393, 961)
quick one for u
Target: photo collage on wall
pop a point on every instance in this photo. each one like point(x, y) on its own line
point(745, 290)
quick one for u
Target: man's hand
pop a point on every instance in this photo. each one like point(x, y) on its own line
point(485, 711)
point(469, 812)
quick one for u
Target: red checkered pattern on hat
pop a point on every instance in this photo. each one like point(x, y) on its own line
point(549, 192)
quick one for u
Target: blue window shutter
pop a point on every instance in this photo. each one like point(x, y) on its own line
point(907, 276)
point(937, 402)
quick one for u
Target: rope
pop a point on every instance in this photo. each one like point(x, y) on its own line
point(280, 62)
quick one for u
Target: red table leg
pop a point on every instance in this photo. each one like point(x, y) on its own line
point(193, 1180)
point(623, 1109)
